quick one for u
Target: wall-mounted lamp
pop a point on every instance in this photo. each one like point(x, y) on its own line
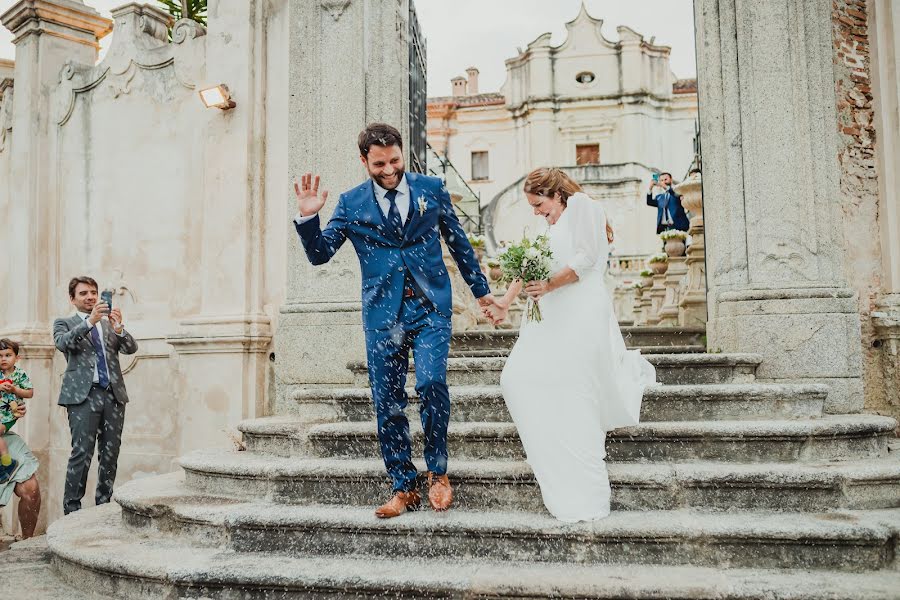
point(217, 97)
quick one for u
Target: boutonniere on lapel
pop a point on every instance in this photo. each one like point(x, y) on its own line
point(422, 205)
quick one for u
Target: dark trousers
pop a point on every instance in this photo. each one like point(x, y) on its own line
point(96, 421)
point(427, 334)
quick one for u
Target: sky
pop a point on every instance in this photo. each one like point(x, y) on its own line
point(484, 33)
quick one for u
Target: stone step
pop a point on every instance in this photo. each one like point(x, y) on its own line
point(95, 551)
point(849, 540)
point(829, 438)
point(671, 369)
point(635, 337)
point(510, 485)
point(648, 350)
point(28, 564)
point(732, 401)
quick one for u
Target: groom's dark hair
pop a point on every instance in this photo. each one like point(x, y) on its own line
point(378, 134)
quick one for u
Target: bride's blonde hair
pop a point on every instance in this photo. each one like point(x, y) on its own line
point(549, 181)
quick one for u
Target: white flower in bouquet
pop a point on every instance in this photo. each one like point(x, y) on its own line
point(529, 260)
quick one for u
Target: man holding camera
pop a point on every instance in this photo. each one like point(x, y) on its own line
point(669, 211)
point(93, 390)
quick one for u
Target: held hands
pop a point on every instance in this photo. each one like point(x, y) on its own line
point(20, 411)
point(307, 191)
point(495, 312)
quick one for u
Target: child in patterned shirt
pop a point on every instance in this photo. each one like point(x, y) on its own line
point(15, 387)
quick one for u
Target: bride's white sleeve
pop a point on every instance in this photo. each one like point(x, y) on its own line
point(588, 227)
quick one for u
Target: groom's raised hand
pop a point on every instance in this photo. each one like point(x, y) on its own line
point(307, 191)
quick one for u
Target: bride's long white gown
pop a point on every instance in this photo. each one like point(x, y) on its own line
point(569, 379)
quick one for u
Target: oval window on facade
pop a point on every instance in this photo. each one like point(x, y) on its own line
point(585, 77)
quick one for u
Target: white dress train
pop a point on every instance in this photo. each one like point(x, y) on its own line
point(569, 378)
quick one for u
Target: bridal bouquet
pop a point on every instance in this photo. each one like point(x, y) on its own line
point(529, 260)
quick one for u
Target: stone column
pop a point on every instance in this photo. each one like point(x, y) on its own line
point(47, 34)
point(692, 301)
point(771, 191)
point(884, 33)
point(348, 67)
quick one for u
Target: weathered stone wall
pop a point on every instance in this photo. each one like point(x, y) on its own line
point(858, 179)
point(117, 170)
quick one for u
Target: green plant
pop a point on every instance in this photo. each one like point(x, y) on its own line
point(186, 9)
point(477, 241)
point(658, 258)
point(637, 285)
point(646, 273)
point(673, 234)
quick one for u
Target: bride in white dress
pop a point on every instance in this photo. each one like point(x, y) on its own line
point(569, 378)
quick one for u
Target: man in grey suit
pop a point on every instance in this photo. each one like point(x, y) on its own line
point(93, 390)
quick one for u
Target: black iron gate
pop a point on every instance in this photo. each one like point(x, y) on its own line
point(418, 95)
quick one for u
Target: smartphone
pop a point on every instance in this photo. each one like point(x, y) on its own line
point(656, 177)
point(106, 298)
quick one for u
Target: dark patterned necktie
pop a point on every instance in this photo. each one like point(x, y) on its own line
point(102, 373)
point(394, 220)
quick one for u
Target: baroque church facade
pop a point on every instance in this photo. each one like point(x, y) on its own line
point(611, 111)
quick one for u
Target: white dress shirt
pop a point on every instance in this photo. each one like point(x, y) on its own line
point(403, 199)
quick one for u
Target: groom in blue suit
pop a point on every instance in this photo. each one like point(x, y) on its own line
point(395, 221)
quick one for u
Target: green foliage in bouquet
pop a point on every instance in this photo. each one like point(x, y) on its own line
point(529, 260)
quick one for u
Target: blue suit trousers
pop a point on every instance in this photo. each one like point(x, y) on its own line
point(427, 333)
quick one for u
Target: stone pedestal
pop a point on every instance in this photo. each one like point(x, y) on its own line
point(348, 67)
point(775, 263)
point(636, 306)
point(657, 294)
point(692, 310)
point(646, 305)
point(673, 282)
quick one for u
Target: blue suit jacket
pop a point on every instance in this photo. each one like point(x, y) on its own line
point(673, 201)
point(384, 259)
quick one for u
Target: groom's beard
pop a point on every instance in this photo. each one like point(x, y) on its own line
point(389, 182)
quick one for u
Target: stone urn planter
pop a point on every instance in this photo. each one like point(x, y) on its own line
point(495, 272)
point(659, 268)
point(675, 247)
point(646, 281)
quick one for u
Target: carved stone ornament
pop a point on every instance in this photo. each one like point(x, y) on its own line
point(140, 43)
point(336, 8)
point(186, 29)
point(6, 103)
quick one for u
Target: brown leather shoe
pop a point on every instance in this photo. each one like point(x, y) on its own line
point(440, 494)
point(399, 503)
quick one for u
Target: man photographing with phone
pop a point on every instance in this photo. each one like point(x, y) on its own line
point(669, 211)
point(93, 389)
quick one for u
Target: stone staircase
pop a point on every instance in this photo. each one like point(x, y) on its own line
point(729, 488)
